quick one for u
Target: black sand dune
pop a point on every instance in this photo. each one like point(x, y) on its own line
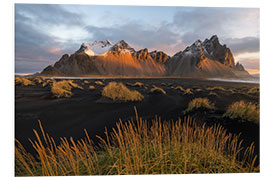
point(67, 117)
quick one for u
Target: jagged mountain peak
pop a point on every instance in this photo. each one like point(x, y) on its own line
point(122, 47)
point(103, 43)
point(96, 48)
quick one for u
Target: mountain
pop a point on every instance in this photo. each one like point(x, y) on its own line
point(205, 59)
point(201, 59)
point(104, 58)
point(96, 48)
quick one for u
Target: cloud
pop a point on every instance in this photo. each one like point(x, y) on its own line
point(36, 48)
point(201, 23)
point(243, 45)
point(49, 13)
point(136, 34)
point(44, 32)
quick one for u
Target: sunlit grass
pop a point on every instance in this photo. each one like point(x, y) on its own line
point(212, 93)
point(254, 90)
point(136, 84)
point(200, 103)
point(91, 87)
point(63, 88)
point(118, 91)
point(139, 147)
point(215, 88)
point(188, 92)
point(180, 88)
point(100, 83)
point(243, 111)
point(157, 90)
point(23, 81)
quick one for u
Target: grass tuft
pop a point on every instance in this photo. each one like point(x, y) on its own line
point(243, 111)
point(188, 92)
point(212, 93)
point(215, 88)
point(136, 84)
point(118, 91)
point(63, 88)
point(23, 81)
point(180, 88)
point(100, 83)
point(200, 103)
point(157, 90)
point(139, 147)
point(254, 90)
point(91, 87)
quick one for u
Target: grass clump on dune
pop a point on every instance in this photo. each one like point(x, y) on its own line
point(139, 147)
point(243, 112)
point(200, 103)
point(157, 90)
point(188, 92)
point(118, 91)
point(91, 87)
point(63, 88)
point(254, 90)
point(100, 83)
point(180, 88)
point(212, 94)
point(136, 84)
point(23, 81)
point(215, 88)
point(85, 82)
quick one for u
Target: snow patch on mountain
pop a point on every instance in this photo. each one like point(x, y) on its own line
point(96, 48)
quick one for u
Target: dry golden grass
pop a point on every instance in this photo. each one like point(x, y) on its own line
point(254, 90)
point(63, 88)
point(23, 81)
point(38, 80)
point(91, 87)
point(180, 88)
point(136, 147)
point(118, 91)
point(243, 112)
point(198, 89)
point(47, 82)
point(136, 84)
point(200, 103)
point(212, 94)
point(215, 88)
point(157, 90)
point(188, 92)
point(163, 84)
point(100, 83)
point(85, 82)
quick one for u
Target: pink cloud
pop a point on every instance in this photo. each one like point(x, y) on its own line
point(55, 51)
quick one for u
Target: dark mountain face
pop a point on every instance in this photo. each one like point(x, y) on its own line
point(205, 59)
point(159, 56)
point(121, 47)
point(218, 52)
point(208, 58)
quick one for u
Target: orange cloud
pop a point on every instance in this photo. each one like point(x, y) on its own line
point(253, 71)
point(55, 51)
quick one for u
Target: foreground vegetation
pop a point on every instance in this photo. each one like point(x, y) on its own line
point(200, 103)
point(243, 111)
point(63, 88)
point(118, 91)
point(139, 147)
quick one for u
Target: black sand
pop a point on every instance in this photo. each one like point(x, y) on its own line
point(67, 117)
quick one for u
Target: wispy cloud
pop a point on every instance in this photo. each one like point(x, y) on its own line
point(45, 32)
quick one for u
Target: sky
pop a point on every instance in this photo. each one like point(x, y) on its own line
point(44, 32)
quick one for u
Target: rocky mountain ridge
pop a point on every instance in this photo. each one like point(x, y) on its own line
point(202, 59)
